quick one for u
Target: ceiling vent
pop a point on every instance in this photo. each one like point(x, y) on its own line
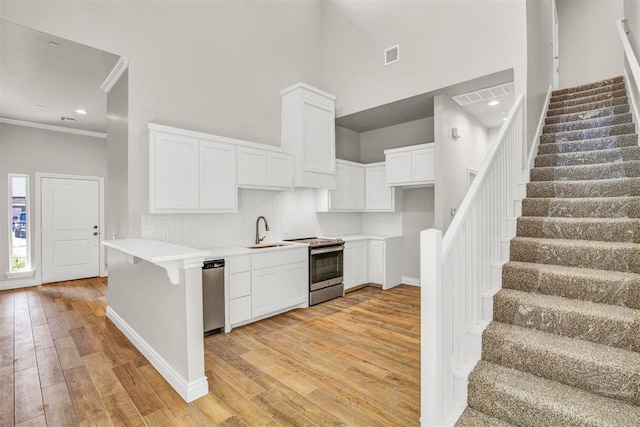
point(392, 55)
point(68, 119)
point(484, 94)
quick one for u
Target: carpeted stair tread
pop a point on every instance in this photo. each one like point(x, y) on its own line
point(588, 207)
point(622, 169)
point(531, 401)
point(472, 418)
point(581, 88)
point(614, 187)
point(590, 123)
point(604, 324)
point(576, 135)
point(611, 102)
point(588, 99)
point(588, 92)
point(586, 284)
point(595, 144)
point(564, 360)
point(585, 115)
point(608, 155)
point(598, 229)
point(615, 256)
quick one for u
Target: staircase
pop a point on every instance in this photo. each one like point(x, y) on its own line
point(563, 348)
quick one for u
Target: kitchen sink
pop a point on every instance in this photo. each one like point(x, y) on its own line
point(268, 245)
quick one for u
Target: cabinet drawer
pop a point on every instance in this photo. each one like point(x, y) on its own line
point(239, 285)
point(240, 310)
point(238, 264)
point(288, 256)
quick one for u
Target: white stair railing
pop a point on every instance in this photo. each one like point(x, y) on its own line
point(631, 69)
point(456, 270)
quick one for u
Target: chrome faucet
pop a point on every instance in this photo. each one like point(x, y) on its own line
point(266, 228)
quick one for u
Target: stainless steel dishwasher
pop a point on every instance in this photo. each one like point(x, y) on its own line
point(213, 296)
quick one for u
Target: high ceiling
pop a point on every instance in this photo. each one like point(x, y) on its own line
point(44, 78)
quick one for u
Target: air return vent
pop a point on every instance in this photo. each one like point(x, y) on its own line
point(484, 94)
point(392, 55)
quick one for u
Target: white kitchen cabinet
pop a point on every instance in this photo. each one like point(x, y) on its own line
point(308, 129)
point(348, 196)
point(238, 289)
point(266, 291)
point(264, 169)
point(293, 290)
point(355, 263)
point(410, 166)
point(379, 197)
point(184, 173)
point(385, 261)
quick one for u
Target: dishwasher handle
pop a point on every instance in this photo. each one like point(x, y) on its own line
point(218, 263)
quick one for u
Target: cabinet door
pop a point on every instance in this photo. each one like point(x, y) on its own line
point(348, 266)
point(422, 165)
point(398, 168)
point(252, 166)
point(355, 188)
point(338, 197)
point(360, 263)
point(174, 177)
point(217, 176)
point(280, 170)
point(318, 151)
point(266, 291)
point(379, 196)
point(295, 284)
point(239, 285)
point(376, 262)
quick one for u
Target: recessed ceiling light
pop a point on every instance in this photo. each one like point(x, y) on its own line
point(54, 44)
point(494, 102)
point(504, 119)
point(81, 111)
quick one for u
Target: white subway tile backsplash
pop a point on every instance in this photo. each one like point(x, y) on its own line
point(290, 214)
point(383, 224)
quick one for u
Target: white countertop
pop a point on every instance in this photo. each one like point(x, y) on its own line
point(155, 251)
point(226, 251)
point(354, 237)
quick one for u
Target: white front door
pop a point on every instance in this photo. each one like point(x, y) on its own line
point(70, 220)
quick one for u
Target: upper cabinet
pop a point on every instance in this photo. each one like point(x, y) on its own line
point(262, 168)
point(183, 173)
point(379, 197)
point(410, 166)
point(308, 129)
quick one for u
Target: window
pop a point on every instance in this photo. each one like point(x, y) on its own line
point(19, 247)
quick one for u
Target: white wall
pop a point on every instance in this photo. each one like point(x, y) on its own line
point(590, 47)
point(417, 215)
point(27, 151)
point(441, 43)
point(289, 214)
point(374, 142)
point(454, 157)
point(632, 13)
point(216, 67)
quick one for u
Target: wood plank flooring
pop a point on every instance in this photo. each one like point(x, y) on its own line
point(351, 361)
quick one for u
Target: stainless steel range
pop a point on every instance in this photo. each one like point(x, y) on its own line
point(326, 257)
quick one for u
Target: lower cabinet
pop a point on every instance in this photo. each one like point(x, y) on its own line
point(355, 263)
point(373, 260)
point(267, 283)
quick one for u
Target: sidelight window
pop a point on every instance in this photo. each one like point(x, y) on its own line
point(19, 219)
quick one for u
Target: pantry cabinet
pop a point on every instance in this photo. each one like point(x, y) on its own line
point(308, 129)
point(410, 166)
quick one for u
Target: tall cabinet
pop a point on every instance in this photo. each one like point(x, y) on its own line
point(308, 129)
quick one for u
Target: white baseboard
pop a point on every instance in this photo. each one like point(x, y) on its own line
point(536, 139)
point(631, 93)
point(17, 284)
point(413, 281)
point(188, 391)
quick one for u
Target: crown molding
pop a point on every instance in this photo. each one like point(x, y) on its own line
point(115, 74)
point(52, 128)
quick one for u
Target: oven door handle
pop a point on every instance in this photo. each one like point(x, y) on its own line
point(326, 250)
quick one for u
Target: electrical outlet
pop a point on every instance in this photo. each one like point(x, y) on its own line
point(453, 211)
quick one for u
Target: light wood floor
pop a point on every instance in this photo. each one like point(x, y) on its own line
point(350, 361)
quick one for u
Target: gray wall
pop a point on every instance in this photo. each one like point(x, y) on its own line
point(417, 215)
point(441, 43)
point(27, 151)
point(590, 47)
point(216, 67)
point(374, 142)
point(632, 13)
point(347, 144)
point(117, 187)
point(452, 158)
